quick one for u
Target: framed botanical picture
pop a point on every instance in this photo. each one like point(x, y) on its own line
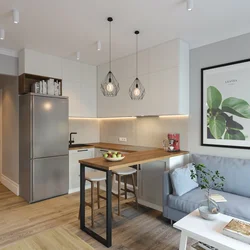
point(225, 109)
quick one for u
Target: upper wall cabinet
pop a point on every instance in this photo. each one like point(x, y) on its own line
point(164, 72)
point(79, 84)
point(36, 63)
point(78, 79)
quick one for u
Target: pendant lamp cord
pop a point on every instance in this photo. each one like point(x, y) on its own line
point(110, 46)
point(136, 55)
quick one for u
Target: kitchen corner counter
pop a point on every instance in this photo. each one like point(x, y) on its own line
point(82, 147)
point(116, 147)
point(131, 159)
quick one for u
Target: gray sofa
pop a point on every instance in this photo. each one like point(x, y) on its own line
point(236, 189)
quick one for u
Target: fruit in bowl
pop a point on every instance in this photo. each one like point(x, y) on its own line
point(113, 156)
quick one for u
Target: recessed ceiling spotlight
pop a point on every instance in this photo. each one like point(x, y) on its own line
point(99, 45)
point(190, 5)
point(2, 34)
point(78, 55)
point(15, 16)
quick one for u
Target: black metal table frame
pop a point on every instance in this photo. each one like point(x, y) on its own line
point(108, 241)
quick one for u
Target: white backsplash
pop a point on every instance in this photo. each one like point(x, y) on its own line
point(88, 130)
point(145, 131)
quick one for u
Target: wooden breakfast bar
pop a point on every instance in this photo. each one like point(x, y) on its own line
point(131, 159)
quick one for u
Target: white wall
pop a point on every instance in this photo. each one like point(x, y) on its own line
point(230, 50)
point(8, 65)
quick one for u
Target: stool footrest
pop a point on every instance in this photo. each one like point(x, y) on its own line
point(128, 190)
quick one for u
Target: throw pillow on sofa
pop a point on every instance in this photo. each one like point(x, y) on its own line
point(181, 180)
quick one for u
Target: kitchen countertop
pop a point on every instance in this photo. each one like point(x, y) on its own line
point(132, 159)
point(116, 147)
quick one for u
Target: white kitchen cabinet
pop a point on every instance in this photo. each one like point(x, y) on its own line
point(150, 180)
point(79, 84)
point(36, 63)
point(164, 72)
point(74, 167)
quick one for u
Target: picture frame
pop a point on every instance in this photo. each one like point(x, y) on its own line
point(225, 105)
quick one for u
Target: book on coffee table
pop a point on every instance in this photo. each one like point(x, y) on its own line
point(217, 198)
point(239, 230)
point(202, 246)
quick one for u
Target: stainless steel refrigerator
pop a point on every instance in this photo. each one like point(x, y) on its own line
point(43, 147)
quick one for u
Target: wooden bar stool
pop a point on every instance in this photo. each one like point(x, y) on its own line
point(94, 177)
point(125, 173)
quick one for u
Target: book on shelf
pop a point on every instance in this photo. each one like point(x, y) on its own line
point(217, 198)
point(202, 246)
point(239, 230)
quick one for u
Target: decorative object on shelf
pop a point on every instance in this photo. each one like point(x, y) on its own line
point(137, 90)
point(239, 230)
point(208, 180)
point(47, 87)
point(225, 117)
point(39, 84)
point(110, 86)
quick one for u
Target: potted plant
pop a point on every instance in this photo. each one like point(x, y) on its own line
point(208, 180)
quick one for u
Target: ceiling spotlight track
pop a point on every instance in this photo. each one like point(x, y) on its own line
point(2, 34)
point(110, 86)
point(190, 5)
point(136, 90)
point(15, 13)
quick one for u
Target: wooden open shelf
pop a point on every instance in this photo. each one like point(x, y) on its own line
point(26, 80)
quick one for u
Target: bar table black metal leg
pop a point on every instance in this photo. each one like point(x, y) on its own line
point(108, 241)
point(82, 197)
point(109, 208)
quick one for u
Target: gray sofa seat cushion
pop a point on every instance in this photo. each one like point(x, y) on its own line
point(236, 206)
point(235, 171)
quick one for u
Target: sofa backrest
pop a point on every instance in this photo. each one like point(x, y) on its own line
point(235, 171)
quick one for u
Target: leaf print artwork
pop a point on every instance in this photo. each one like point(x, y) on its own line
point(220, 116)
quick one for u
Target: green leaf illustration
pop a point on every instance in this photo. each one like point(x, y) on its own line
point(234, 135)
point(217, 125)
point(237, 107)
point(209, 135)
point(214, 97)
point(233, 124)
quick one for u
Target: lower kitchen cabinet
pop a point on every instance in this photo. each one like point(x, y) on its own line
point(150, 180)
point(74, 167)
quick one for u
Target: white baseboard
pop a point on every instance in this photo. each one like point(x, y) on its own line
point(11, 185)
point(74, 190)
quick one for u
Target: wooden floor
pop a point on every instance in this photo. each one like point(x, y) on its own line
point(135, 229)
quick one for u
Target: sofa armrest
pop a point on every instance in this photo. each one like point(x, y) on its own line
point(167, 187)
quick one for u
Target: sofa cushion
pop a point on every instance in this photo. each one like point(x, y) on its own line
point(235, 171)
point(181, 180)
point(236, 206)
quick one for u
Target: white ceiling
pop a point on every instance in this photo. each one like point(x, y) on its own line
point(62, 27)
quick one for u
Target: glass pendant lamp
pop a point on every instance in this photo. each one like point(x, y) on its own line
point(136, 90)
point(110, 86)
